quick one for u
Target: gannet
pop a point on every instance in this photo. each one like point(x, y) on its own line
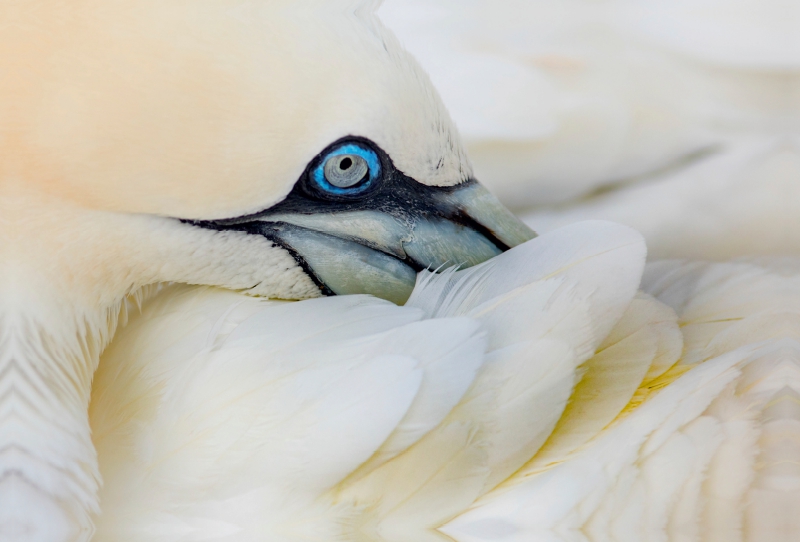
point(136, 151)
point(284, 149)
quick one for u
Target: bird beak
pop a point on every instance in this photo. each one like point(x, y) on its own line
point(377, 247)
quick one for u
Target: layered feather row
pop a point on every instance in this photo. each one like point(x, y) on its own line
point(538, 396)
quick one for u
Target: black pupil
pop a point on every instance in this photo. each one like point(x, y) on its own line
point(345, 164)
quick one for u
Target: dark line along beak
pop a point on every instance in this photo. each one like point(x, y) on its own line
point(358, 225)
point(377, 246)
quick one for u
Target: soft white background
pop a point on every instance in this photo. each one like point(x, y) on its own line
point(680, 118)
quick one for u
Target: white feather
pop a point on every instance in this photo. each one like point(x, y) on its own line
point(349, 413)
point(565, 497)
point(643, 342)
point(271, 416)
point(543, 400)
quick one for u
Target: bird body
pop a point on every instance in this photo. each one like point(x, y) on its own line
point(219, 416)
point(535, 396)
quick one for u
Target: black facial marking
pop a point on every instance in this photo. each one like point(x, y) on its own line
point(269, 230)
point(393, 193)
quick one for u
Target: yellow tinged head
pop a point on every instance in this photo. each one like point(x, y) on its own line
point(204, 108)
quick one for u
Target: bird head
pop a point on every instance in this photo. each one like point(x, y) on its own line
point(284, 148)
point(301, 123)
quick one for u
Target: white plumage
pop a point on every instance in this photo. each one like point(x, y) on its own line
point(132, 130)
point(678, 118)
point(742, 201)
point(215, 413)
point(534, 397)
point(547, 394)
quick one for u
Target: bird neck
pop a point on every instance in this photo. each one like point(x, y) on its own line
point(64, 273)
point(49, 350)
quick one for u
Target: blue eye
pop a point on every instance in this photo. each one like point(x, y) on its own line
point(349, 169)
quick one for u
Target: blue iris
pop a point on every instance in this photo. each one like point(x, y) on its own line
point(369, 156)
